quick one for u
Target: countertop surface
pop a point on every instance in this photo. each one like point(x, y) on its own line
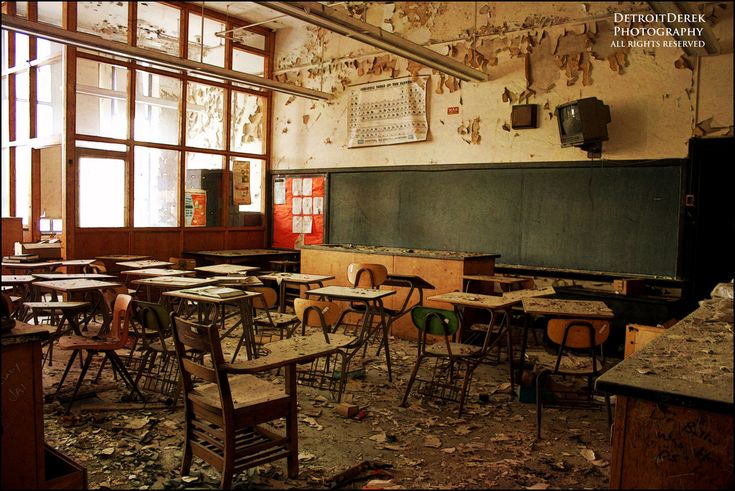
point(400, 251)
point(690, 364)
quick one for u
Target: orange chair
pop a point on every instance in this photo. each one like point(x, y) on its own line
point(585, 337)
point(106, 343)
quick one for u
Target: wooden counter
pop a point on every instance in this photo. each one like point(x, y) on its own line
point(443, 269)
point(27, 463)
point(674, 412)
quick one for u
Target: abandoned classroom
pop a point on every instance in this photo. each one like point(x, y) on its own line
point(367, 245)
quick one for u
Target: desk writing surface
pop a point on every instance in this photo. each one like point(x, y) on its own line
point(690, 364)
point(244, 295)
point(122, 257)
point(17, 279)
point(593, 309)
point(296, 349)
point(145, 263)
point(237, 280)
point(39, 265)
point(226, 268)
point(174, 281)
point(301, 278)
point(350, 293)
point(529, 293)
point(73, 276)
point(75, 285)
point(476, 300)
point(77, 262)
point(157, 272)
point(407, 280)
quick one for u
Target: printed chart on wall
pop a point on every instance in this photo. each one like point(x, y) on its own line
point(298, 210)
point(388, 112)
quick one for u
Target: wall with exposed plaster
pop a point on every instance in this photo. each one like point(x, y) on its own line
point(538, 53)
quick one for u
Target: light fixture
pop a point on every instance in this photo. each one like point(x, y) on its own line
point(333, 20)
point(89, 41)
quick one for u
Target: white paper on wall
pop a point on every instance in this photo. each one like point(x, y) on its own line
point(279, 192)
point(318, 206)
point(298, 225)
point(307, 224)
point(296, 206)
point(296, 187)
point(306, 206)
point(306, 188)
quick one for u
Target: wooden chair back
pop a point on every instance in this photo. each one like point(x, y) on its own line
point(268, 300)
point(120, 325)
point(366, 275)
point(183, 263)
point(316, 313)
point(577, 333)
point(191, 340)
point(97, 267)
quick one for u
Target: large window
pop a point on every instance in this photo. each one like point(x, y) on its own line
point(153, 143)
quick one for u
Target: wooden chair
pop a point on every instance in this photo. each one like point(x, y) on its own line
point(454, 363)
point(268, 322)
point(585, 337)
point(225, 413)
point(106, 343)
point(328, 372)
point(364, 275)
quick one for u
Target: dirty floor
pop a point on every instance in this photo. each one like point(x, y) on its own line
point(124, 445)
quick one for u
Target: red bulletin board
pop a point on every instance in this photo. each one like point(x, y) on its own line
point(299, 206)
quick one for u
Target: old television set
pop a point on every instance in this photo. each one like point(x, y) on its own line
point(583, 124)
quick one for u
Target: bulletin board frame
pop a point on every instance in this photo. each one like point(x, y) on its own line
point(287, 216)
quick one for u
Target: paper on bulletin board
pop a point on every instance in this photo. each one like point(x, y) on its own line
point(306, 187)
point(241, 182)
point(279, 191)
point(296, 206)
point(195, 208)
point(296, 186)
point(318, 206)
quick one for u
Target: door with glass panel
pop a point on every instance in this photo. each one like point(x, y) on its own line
point(103, 195)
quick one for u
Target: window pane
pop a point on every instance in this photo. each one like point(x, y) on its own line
point(22, 113)
point(158, 27)
point(157, 108)
point(242, 61)
point(50, 13)
point(203, 196)
point(101, 192)
point(5, 181)
point(4, 49)
point(45, 49)
point(106, 19)
point(249, 38)
point(156, 187)
point(23, 183)
point(212, 51)
point(49, 114)
point(240, 169)
point(102, 99)
point(205, 116)
point(21, 49)
point(114, 147)
point(51, 169)
point(248, 123)
point(21, 9)
point(5, 123)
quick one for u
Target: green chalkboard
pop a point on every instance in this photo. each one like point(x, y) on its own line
point(599, 218)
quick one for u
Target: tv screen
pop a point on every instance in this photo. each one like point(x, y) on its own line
point(583, 122)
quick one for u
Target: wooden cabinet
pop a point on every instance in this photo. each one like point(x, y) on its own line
point(443, 269)
point(639, 335)
point(27, 463)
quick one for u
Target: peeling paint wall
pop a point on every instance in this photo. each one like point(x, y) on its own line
point(537, 53)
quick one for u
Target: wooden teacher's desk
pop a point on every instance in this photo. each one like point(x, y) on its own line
point(441, 269)
point(674, 411)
